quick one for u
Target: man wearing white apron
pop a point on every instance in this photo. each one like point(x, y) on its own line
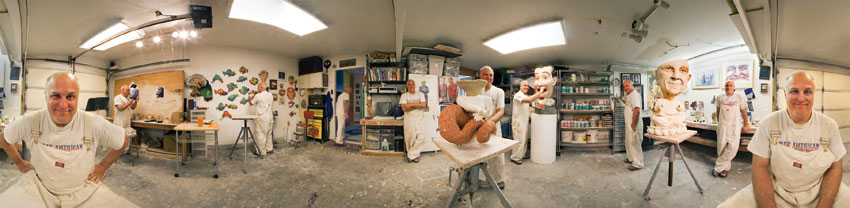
point(519, 120)
point(63, 141)
point(731, 108)
point(124, 110)
point(796, 156)
point(341, 111)
point(413, 103)
point(263, 100)
point(634, 126)
point(497, 95)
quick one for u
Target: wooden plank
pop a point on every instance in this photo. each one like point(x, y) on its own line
point(712, 143)
point(673, 139)
point(713, 127)
point(152, 125)
point(244, 117)
point(195, 127)
point(382, 122)
point(149, 104)
point(472, 152)
point(585, 128)
point(369, 152)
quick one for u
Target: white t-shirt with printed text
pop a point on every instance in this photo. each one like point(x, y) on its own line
point(69, 137)
point(803, 138)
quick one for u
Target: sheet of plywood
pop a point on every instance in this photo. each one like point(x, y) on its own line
point(472, 152)
point(149, 104)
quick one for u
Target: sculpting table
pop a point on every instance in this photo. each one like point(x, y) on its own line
point(471, 158)
point(194, 127)
point(672, 147)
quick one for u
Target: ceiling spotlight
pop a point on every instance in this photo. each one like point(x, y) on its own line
point(174, 34)
point(193, 34)
point(139, 44)
point(184, 34)
point(156, 39)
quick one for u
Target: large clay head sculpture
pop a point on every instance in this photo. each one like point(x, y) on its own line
point(673, 77)
point(543, 80)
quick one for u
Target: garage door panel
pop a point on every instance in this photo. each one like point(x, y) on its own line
point(832, 100)
point(837, 81)
point(840, 117)
point(845, 135)
point(38, 78)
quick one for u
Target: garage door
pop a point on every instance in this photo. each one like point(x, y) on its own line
point(831, 96)
point(91, 85)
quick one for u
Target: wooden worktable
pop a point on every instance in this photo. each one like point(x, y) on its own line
point(746, 136)
point(472, 152)
point(378, 122)
point(152, 125)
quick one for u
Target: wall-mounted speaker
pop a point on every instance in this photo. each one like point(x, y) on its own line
point(201, 16)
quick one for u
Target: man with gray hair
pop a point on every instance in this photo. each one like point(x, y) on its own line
point(124, 107)
point(263, 100)
point(63, 141)
point(634, 125)
point(796, 155)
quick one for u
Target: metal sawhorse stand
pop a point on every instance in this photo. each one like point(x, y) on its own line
point(671, 148)
point(244, 134)
point(469, 177)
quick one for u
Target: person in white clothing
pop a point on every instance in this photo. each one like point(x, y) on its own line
point(263, 100)
point(413, 104)
point(634, 126)
point(497, 95)
point(796, 155)
point(122, 103)
point(731, 109)
point(519, 120)
point(124, 108)
point(341, 111)
point(63, 142)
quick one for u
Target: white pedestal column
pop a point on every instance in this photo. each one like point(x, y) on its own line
point(543, 141)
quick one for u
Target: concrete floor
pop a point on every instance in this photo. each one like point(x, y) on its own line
point(318, 177)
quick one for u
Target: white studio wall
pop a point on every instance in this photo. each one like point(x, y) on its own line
point(209, 61)
point(12, 102)
point(711, 64)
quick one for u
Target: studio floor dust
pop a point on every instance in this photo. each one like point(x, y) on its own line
point(318, 177)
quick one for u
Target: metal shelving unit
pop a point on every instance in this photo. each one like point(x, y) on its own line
point(595, 80)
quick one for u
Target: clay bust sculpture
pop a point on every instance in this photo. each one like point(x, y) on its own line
point(544, 82)
point(667, 114)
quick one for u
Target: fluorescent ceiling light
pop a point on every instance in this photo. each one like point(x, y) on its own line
point(546, 34)
point(109, 32)
point(278, 13)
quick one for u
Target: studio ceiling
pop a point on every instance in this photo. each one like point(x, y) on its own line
point(595, 29)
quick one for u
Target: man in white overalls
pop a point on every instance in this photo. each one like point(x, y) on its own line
point(634, 126)
point(63, 141)
point(731, 109)
point(414, 105)
point(796, 156)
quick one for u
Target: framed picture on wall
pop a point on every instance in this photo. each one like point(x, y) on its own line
point(707, 79)
point(636, 78)
point(639, 89)
point(740, 72)
point(273, 84)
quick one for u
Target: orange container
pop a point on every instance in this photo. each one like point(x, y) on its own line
point(200, 120)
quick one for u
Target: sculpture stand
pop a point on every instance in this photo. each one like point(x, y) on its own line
point(672, 147)
point(543, 134)
point(471, 158)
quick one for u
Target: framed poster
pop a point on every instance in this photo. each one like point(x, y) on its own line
point(740, 72)
point(707, 79)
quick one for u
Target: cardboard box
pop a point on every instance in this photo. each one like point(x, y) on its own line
point(168, 144)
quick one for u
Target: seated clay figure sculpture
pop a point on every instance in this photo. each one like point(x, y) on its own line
point(544, 82)
point(455, 123)
point(668, 118)
point(475, 101)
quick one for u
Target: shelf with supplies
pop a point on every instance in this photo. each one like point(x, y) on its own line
point(586, 83)
point(375, 131)
point(586, 111)
point(586, 94)
point(586, 128)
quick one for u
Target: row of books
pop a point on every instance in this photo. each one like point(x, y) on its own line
point(387, 74)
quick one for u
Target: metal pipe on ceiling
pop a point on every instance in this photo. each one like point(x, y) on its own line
point(139, 27)
point(746, 22)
